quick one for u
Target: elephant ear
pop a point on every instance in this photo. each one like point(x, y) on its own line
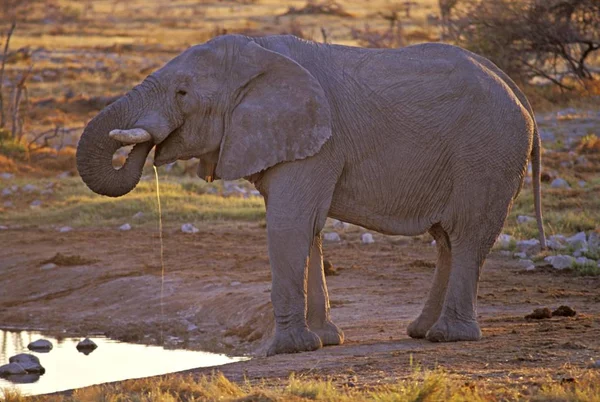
point(280, 114)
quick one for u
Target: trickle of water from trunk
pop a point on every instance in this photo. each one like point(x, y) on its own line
point(162, 254)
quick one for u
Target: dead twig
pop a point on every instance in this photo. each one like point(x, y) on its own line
point(18, 92)
point(4, 57)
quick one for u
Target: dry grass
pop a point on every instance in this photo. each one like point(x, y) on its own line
point(430, 385)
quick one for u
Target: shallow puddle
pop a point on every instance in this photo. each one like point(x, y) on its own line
point(67, 368)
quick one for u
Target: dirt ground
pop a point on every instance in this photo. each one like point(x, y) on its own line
point(216, 298)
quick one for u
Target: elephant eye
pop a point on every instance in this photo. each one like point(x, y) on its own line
point(182, 92)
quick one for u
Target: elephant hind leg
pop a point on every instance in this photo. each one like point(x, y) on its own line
point(435, 301)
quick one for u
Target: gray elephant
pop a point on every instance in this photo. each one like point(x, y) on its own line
point(427, 138)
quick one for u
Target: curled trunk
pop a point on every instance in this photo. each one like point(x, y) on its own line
point(95, 152)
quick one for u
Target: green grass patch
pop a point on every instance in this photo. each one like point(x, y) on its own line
point(72, 203)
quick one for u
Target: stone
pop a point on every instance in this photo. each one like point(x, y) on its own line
point(331, 237)
point(6, 192)
point(504, 241)
point(42, 345)
point(560, 261)
point(564, 311)
point(530, 246)
point(546, 135)
point(585, 262)
point(340, 225)
point(581, 252)
point(433, 243)
point(86, 344)
point(594, 242)
point(528, 265)
point(11, 369)
point(581, 183)
point(189, 228)
point(125, 227)
point(8, 204)
point(595, 364)
point(49, 266)
point(520, 255)
point(64, 175)
point(506, 253)
point(191, 327)
point(525, 219)
point(577, 241)
point(30, 363)
point(65, 229)
point(3, 227)
point(29, 188)
point(556, 242)
point(255, 193)
point(367, 238)
point(559, 183)
point(539, 314)
point(46, 191)
point(7, 176)
point(138, 215)
point(35, 204)
point(235, 283)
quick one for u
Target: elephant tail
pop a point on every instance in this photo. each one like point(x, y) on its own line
point(536, 162)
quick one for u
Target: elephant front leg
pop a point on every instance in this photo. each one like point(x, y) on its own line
point(289, 255)
point(318, 317)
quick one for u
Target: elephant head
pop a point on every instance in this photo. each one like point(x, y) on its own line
point(239, 107)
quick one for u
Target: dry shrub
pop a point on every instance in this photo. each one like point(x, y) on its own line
point(393, 37)
point(328, 7)
point(589, 144)
point(56, 161)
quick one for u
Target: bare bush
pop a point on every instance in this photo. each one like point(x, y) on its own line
point(328, 7)
point(553, 39)
point(392, 37)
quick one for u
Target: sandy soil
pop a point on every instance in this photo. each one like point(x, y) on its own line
point(216, 297)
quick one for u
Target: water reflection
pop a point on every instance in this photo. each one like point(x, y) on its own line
point(67, 368)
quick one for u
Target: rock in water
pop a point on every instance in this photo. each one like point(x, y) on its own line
point(86, 346)
point(30, 363)
point(11, 369)
point(41, 345)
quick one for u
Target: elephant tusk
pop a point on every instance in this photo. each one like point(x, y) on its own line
point(132, 136)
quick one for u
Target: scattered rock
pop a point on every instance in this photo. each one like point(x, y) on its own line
point(525, 219)
point(49, 266)
point(585, 262)
point(30, 363)
point(547, 135)
point(329, 269)
point(559, 183)
point(560, 261)
point(35, 204)
point(86, 345)
point(11, 369)
point(41, 345)
point(528, 265)
point(539, 314)
point(235, 283)
point(255, 193)
point(3, 227)
point(331, 236)
point(138, 215)
point(8, 204)
point(594, 242)
point(367, 238)
point(7, 176)
point(340, 225)
point(504, 241)
point(29, 188)
point(520, 255)
point(65, 229)
point(578, 241)
point(564, 311)
point(189, 228)
point(191, 327)
point(125, 227)
point(595, 364)
point(581, 183)
point(530, 246)
point(6, 192)
point(505, 253)
point(64, 175)
point(556, 242)
point(433, 243)
point(46, 191)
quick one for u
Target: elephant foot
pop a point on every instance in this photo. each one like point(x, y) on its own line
point(419, 327)
point(329, 333)
point(453, 330)
point(293, 341)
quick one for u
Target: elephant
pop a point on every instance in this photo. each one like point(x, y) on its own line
point(425, 138)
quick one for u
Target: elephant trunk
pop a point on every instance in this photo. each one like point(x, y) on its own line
point(96, 148)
